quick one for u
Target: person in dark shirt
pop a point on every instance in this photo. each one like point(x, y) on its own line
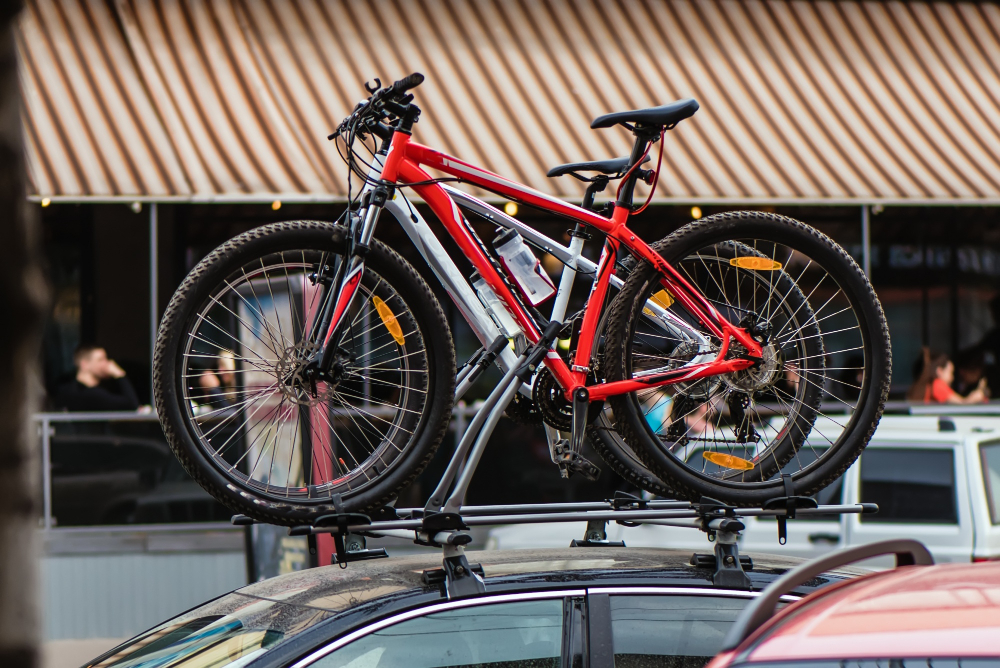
point(100, 384)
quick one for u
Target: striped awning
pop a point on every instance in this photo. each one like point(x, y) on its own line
point(232, 99)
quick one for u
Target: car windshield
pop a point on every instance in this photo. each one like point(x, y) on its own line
point(225, 633)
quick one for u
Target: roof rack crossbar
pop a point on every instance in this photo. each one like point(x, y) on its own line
point(687, 511)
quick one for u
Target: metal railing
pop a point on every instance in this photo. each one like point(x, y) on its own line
point(461, 414)
point(46, 422)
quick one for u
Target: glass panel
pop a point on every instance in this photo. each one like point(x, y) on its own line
point(229, 631)
point(670, 631)
point(909, 485)
point(991, 476)
point(509, 635)
point(112, 472)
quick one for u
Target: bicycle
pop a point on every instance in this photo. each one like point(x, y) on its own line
point(704, 376)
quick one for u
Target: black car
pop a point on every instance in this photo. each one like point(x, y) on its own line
point(596, 607)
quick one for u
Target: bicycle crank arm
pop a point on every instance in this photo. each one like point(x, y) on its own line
point(567, 454)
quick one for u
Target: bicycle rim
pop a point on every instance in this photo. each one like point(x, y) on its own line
point(799, 405)
point(261, 421)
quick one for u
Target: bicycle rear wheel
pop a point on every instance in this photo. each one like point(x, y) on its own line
point(811, 405)
point(242, 414)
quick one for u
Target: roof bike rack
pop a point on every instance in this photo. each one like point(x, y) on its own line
point(449, 530)
point(445, 521)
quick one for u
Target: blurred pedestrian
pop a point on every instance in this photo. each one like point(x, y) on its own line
point(99, 385)
point(933, 385)
point(218, 384)
point(970, 371)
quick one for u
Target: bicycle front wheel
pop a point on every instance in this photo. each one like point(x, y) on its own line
point(811, 404)
point(240, 408)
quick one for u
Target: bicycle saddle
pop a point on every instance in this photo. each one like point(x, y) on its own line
point(613, 166)
point(667, 115)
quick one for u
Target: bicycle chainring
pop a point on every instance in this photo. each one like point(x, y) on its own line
point(524, 410)
point(555, 410)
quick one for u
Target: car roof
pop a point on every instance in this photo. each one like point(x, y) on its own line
point(943, 427)
point(912, 611)
point(335, 589)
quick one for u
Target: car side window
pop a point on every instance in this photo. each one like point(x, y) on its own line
point(522, 634)
point(909, 485)
point(670, 631)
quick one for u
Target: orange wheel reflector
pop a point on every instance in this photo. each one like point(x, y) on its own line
point(728, 461)
point(663, 299)
point(755, 263)
point(388, 319)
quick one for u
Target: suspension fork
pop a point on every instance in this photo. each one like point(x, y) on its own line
point(340, 292)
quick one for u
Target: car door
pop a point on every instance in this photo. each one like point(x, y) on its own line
point(916, 486)
point(650, 627)
point(528, 630)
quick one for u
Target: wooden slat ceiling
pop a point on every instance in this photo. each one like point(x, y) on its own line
point(231, 99)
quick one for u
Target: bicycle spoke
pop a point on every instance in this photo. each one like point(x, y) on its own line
point(365, 417)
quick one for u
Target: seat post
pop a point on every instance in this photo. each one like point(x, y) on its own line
point(597, 185)
point(642, 138)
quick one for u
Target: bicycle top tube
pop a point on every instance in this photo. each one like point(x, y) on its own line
point(404, 164)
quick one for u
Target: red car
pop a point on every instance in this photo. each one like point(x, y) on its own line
point(917, 613)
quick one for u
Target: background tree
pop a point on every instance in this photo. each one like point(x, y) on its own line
point(23, 295)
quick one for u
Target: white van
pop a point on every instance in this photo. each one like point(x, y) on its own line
point(935, 479)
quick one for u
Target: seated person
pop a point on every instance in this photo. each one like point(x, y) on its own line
point(970, 370)
point(99, 385)
point(934, 383)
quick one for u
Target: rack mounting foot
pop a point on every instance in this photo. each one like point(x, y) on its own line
point(728, 563)
point(596, 535)
point(459, 578)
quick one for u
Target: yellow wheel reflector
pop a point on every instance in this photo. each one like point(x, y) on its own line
point(663, 299)
point(755, 263)
point(728, 461)
point(388, 319)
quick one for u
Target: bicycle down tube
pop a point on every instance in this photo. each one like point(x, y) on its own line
point(403, 165)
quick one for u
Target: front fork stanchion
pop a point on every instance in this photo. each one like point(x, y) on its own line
point(344, 297)
point(358, 243)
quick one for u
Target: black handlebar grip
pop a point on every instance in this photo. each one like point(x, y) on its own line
point(406, 83)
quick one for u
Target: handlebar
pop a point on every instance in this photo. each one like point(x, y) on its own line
point(406, 83)
point(375, 105)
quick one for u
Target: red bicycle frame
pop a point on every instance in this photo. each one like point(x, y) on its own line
point(404, 165)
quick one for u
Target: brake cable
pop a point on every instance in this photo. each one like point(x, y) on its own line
point(656, 176)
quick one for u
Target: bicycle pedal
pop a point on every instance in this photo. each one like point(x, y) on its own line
point(573, 462)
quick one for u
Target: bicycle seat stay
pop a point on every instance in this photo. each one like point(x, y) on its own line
point(667, 115)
